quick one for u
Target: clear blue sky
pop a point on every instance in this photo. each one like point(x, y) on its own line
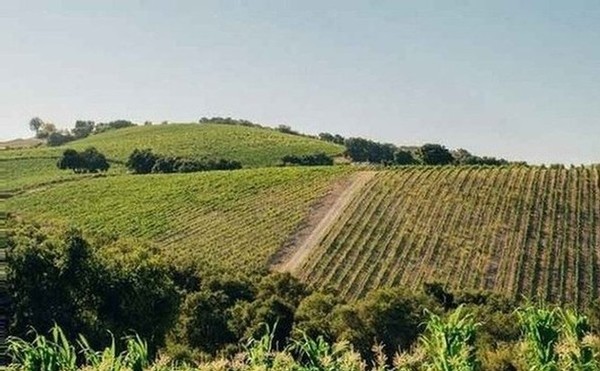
point(518, 79)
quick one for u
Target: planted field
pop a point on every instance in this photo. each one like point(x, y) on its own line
point(520, 231)
point(253, 147)
point(24, 173)
point(232, 220)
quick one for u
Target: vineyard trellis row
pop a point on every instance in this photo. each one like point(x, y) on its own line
point(521, 231)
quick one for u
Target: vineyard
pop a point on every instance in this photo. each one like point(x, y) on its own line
point(529, 231)
point(253, 147)
point(231, 220)
point(26, 173)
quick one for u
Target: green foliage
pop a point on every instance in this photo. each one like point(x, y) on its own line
point(402, 157)
point(540, 327)
point(319, 159)
point(391, 316)
point(435, 154)
point(450, 343)
point(145, 162)
point(364, 150)
point(277, 297)
point(43, 354)
point(575, 350)
point(88, 161)
point(334, 138)
point(83, 129)
point(67, 281)
point(58, 138)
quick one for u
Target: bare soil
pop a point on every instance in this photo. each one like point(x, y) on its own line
point(321, 217)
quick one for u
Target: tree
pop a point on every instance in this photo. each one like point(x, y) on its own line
point(71, 159)
point(90, 160)
point(141, 161)
point(35, 124)
point(402, 157)
point(364, 150)
point(94, 160)
point(57, 138)
point(337, 139)
point(83, 129)
point(86, 289)
point(314, 315)
point(45, 130)
point(318, 159)
point(435, 154)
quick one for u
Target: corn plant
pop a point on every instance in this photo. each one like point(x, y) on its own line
point(43, 354)
point(318, 355)
point(540, 329)
point(450, 343)
point(574, 351)
point(134, 358)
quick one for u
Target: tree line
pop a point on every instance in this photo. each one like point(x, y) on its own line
point(82, 129)
point(142, 161)
point(365, 150)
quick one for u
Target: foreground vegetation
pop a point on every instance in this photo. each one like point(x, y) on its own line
point(551, 340)
point(520, 231)
point(89, 286)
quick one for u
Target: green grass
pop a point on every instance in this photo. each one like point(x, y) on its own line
point(231, 220)
point(253, 147)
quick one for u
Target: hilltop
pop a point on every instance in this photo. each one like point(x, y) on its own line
point(252, 146)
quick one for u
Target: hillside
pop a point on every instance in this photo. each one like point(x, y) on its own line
point(252, 146)
point(519, 231)
point(220, 220)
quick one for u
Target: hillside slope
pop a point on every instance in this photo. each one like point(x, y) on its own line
point(519, 231)
point(217, 221)
point(252, 146)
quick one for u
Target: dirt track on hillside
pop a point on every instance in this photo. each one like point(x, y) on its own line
point(321, 217)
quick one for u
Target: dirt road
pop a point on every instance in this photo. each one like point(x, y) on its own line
point(318, 222)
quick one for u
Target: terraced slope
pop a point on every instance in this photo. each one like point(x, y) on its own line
point(253, 147)
point(230, 220)
point(520, 231)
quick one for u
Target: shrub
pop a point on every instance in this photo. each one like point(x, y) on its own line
point(145, 161)
point(88, 161)
point(319, 159)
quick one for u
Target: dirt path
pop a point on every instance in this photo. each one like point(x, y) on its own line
point(322, 216)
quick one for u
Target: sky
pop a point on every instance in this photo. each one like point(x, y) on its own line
point(514, 79)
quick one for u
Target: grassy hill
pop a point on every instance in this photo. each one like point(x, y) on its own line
point(521, 231)
point(220, 220)
point(252, 146)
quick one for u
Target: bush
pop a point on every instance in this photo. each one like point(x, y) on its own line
point(113, 125)
point(65, 280)
point(435, 154)
point(319, 159)
point(88, 161)
point(141, 161)
point(145, 162)
point(57, 138)
point(364, 150)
